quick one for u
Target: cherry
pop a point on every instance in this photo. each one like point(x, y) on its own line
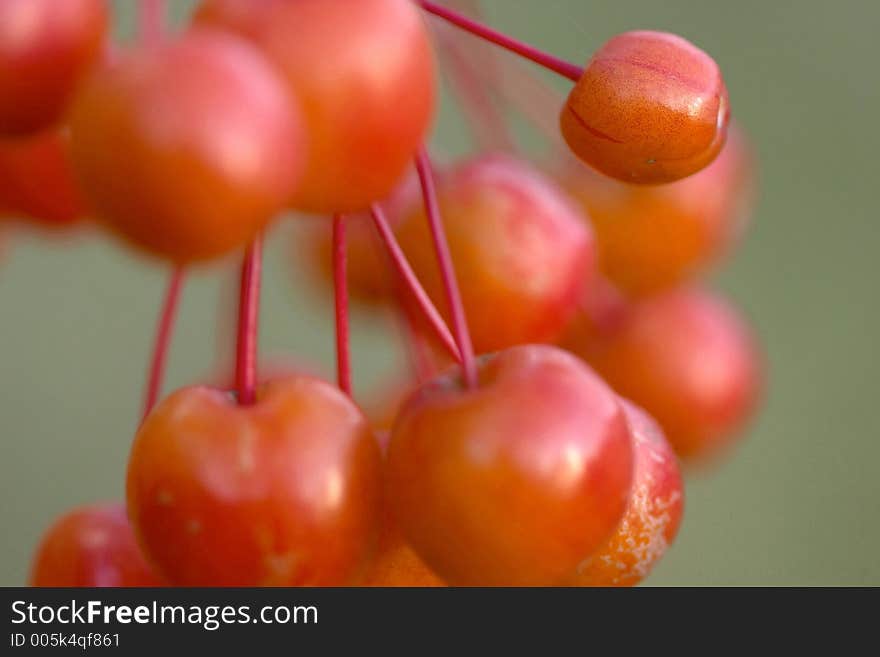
point(651, 519)
point(46, 47)
point(187, 148)
point(653, 237)
point(690, 361)
point(523, 248)
point(364, 70)
point(650, 107)
point(515, 481)
point(91, 546)
point(284, 492)
point(37, 182)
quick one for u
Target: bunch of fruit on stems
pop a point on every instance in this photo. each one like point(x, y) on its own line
point(563, 358)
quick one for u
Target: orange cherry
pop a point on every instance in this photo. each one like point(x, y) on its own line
point(284, 492)
point(46, 48)
point(690, 361)
point(651, 520)
point(516, 481)
point(523, 252)
point(91, 546)
point(188, 148)
point(650, 107)
point(364, 70)
point(653, 237)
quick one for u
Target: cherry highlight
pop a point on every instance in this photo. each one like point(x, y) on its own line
point(411, 282)
point(248, 323)
point(159, 359)
point(340, 289)
point(447, 269)
point(548, 61)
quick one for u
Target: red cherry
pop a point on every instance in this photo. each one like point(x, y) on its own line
point(516, 481)
point(284, 492)
point(364, 70)
point(188, 148)
point(46, 47)
point(688, 359)
point(651, 520)
point(653, 237)
point(522, 251)
point(37, 182)
point(91, 546)
point(650, 107)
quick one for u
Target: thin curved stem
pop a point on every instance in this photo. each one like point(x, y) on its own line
point(248, 323)
point(340, 289)
point(411, 282)
point(564, 68)
point(159, 358)
point(447, 269)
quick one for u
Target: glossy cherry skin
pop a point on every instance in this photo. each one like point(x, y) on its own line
point(364, 70)
point(46, 48)
point(522, 250)
point(281, 493)
point(37, 181)
point(652, 238)
point(188, 148)
point(91, 546)
point(514, 482)
point(650, 107)
point(652, 517)
point(690, 361)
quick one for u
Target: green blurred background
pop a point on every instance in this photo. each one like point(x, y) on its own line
point(799, 502)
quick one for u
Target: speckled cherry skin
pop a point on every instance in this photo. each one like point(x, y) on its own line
point(188, 148)
point(523, 252)
point(46, 48)
point(91, 546)
point(652, 517)
point(650, 108)
point(284, 492)
point(653, 237)
point(516, 481)
point(364, 70)
point(690, 360)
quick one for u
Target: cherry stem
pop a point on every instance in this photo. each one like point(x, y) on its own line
point(447, 269)
point(411, 282)
point(151, 20)
point(340, 288)
point(159, 359)
point(248, 323)
point(548, 61)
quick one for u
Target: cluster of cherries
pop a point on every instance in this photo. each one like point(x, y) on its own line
point(514, 456)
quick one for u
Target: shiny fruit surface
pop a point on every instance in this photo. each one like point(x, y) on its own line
point(516, 481)
point(285, 492)
point(188, 148)
point(650, 107)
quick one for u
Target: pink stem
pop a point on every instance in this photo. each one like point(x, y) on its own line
point(340, 287)
point(411, 282)
point(548, 61)
point(151, 20)
point(156, 372)
point(248, 323)
point(447, 270)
